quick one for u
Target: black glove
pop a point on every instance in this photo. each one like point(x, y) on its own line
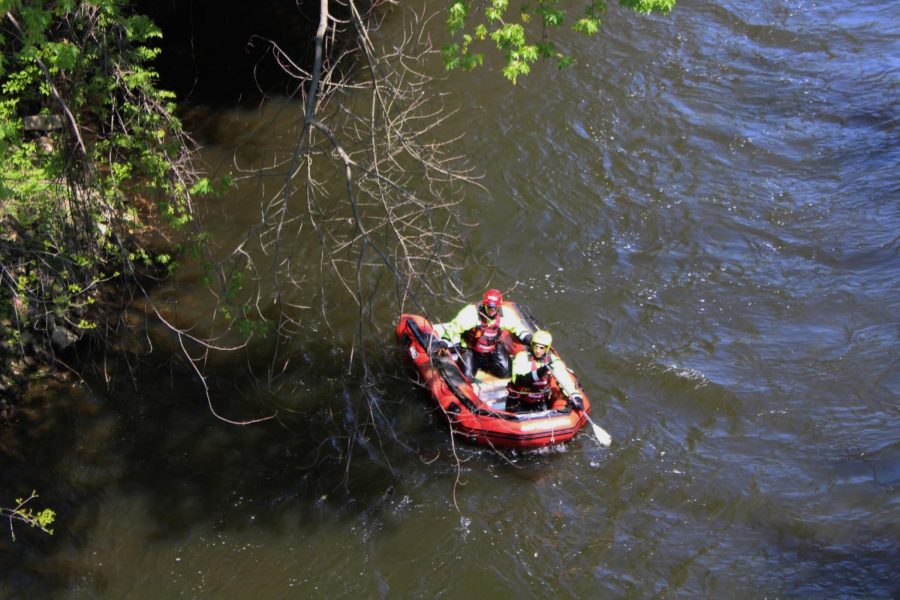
point(576, 402)
point(542, 371)
point(526, 338)
point(442, 343)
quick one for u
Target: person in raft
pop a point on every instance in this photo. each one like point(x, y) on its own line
point(475, 332)
point(533, 373)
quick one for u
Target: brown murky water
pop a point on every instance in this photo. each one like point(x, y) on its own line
point(705, 209)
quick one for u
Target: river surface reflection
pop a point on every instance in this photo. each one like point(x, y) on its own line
point(705, 211)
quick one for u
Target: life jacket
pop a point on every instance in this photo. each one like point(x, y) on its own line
point(536, 391)
point(485, 337)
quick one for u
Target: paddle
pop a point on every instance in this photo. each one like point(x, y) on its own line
point(604, 438)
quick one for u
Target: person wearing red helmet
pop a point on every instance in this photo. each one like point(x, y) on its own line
point(476, 330)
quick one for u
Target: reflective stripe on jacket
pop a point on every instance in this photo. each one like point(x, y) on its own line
point(486, 336)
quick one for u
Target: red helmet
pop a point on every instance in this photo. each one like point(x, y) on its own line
point(492, 299)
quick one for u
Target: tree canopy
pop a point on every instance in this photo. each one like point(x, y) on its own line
point(90, 147)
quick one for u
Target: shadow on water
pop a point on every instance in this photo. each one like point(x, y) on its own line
point(152, 440)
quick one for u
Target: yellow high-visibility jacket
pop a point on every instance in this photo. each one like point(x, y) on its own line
point(467, 319)
point(524, 364)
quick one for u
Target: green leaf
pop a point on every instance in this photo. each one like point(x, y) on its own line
point(662, 7)
point(510, 36)
point(546, 49)
point(450, 56)
point(554, 18)
point(456, 16)
point(587, 26)
point(564, 62)
point(202, 187)
point(514, 68)
point(529, 54)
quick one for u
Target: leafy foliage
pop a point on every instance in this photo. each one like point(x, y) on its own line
point(42, 519)
point(523, 37)
point(90, 148)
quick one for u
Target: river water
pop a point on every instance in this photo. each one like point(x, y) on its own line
point(705, 211)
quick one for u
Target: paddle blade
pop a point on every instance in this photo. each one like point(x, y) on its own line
point(604, 438)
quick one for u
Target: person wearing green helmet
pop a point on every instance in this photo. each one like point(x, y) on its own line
point(534, 372)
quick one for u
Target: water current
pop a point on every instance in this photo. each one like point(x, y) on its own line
point(706, 211)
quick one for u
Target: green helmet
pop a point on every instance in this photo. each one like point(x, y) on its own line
point(542, 337)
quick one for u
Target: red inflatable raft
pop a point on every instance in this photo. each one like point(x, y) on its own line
point(476, 409)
